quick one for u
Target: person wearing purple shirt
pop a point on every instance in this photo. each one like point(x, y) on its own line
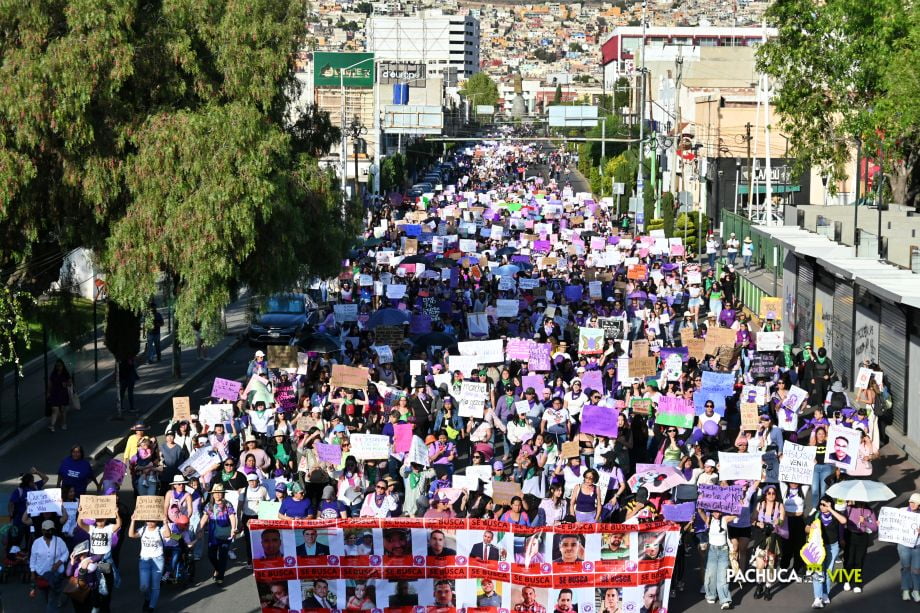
point(75, 470)
point(727, 316)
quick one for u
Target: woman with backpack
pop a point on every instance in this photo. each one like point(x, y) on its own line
point(219, 517)
point(152, 536)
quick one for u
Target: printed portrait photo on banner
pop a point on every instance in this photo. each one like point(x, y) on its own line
point(568, 548)
point(615, 546)
point(402, 594)
point(358, 542)
point(529, 599)
point(607, 600)
point(276, 595)
point(360, 595)
point(487, 549)
point(528, 550)
point(312, 542)
point(270, 547)
point(397, 542)
point(318, 595)
point(441, 543)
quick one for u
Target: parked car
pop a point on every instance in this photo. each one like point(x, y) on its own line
point(282, 318)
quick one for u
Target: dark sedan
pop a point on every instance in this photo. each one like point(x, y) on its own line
point(282, 318)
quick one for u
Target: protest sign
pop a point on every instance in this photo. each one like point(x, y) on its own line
point(200, 462)
point(536, 382)
point(898, 526)
point(418, 453)
point(762, 365)
point(528, 283)
point(226, 389)
point(472, 399)
point(182, 408)
point(504, 491)
point(477, 324)
point(679, 512)
point(719, 337)
point(794, 398)
point(268, 509)
point(345, 312)
point(43, 501)
point(283, 356)
point(769, 341)
point(672, 367)
point(212, 414)
point(518, 349)
point(599, 420)
point(303, 362)
point(539, 357)
point(715, 387)
point(842, 446)
point(506, 308)
point(686, 334)
point(465, 364)
point(674, 411)
point(395, 291)
point(638, 272)
point(391, 336)
point(771, 307)
point(486, 352)
point(592, 380)
point(149, 508)
point(613, 327)
point(570, 449)
point(643, 367)
point(754, 393)
point(402, 437)
point(640, 406)
point(370, 446)
point(726, 499)
point(865, 375)
point(696, 348)
point(328, 453)
point(749, 416)
point(590, 341)
point(797, 464)
point(733, 466)
point(726, 357)
point(411, 246)
point(351, 377)
point(770, 465)
point(384, 353)
point(639, 350)
point(98, 507)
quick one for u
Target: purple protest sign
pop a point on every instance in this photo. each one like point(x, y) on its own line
point(720, 498)
point(328, 453)
point(226, 389)
point(573, 293)
point(520, 259)
point(534, 381)
point(592, 380)
point(538, 360)
point(420, 323)
point(674, 411)
point(599, 420)
point(683, 352)
point(541, 246)
point(679, 512)
point(412, 229)
point(454, 278)
point(518, 349)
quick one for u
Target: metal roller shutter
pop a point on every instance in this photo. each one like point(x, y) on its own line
point(843, 330)
point(892, 354)
point(804, 302)
point(789, 268)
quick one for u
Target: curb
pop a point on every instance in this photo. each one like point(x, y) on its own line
point(114, 446)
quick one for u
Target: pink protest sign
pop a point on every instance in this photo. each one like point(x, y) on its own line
point(402, 437)
point(328, 453)
point(226, 389)
point(518, 348)
point(674, 411)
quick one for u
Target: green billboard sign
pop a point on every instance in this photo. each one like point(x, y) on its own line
point(328, 68)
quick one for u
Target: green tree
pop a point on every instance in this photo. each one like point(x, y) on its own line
point(557, 97)
point(156, 133)
point(480, 89)
point(846, 69)
point(313, 132)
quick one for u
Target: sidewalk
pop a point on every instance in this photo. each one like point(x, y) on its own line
point(94, 426)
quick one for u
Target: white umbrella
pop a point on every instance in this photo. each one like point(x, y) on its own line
point(860, 490)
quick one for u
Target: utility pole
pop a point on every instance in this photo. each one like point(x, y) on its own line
point(856, 201)
point(748, 138)
point(640, 180)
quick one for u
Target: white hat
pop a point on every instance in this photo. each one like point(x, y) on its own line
point(914, 498)
point(710, 463)
point(260, 354)
point(252, 477)
point(316, 409)
point(178, 479)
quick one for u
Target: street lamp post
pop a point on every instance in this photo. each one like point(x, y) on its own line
point(344, 149)
point(356, 131)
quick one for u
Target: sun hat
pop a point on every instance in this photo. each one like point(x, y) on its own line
point(710, 462)
point(260, 354)
point(914, 498)
point(178, 480)
point(217, 488)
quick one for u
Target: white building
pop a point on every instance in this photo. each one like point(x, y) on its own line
point(447, 44)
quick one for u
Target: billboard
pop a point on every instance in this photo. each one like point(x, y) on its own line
point(416, 565)
point(401, 72)
point(413, 119)
point(572, 116)
point(328, 67)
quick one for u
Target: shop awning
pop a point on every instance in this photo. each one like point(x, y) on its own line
point(777, 189)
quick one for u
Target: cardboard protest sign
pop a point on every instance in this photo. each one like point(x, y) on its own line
point(640, 349)
point(411, 246)
point(726, 499)
point(747, 466)
point(640, 406)
point(570, 449)
point(696, 348)
point(182, 408)
point(44, 501)
point(842, 446)
point(226, 389)
point(389, 335)
point(370, 446)
point(797, 464)
point(771, 307)
point(328, 453)
point(212, 414)
point(599, 420)
point(504, 491)
point(285, 356)
point(472, 399)
point(351, 377)
point(686, 334)
point(149, 508)
point(749, 416)
point(98, 507)
point(643, 367)
point(769, 341)
point(898, 526)
point(719, 337)
point(674, 411)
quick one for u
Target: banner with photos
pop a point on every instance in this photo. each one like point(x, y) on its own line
point(417, 565)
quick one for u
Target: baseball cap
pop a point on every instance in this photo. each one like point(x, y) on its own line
point(47, 525)
point(710, 463)
point(260, 354)
point(498, 465)
point(915, 498)
point(252, 477)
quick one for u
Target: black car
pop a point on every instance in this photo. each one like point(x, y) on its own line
point(282, 318)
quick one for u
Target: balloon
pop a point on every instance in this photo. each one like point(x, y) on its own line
point(711, 428)
point(695, 437)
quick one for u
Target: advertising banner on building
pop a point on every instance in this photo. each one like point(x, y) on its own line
point(417, 565)
point(358, 69)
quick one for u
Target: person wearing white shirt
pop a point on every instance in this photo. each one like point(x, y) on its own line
point(731, 248)
point(47, 563)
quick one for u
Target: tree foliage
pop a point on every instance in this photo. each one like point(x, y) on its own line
point(846, 70)
point(480, 89)
point(156, 133)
